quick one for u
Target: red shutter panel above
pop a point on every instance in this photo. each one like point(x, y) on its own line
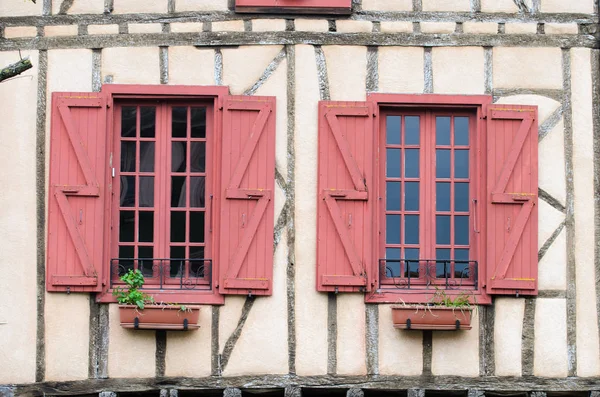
point(345, 211)
point(512, 186)
point(76, 200)
point(247, 194)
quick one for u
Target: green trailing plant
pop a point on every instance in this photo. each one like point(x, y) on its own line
point(460, 301)
point(131, 295)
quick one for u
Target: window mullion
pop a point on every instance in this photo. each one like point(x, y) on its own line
point(162, 173)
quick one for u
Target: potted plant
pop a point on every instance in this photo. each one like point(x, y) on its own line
point(138, 310)
point(441, 313)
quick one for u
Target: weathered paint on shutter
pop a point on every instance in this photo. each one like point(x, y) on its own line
point(512, 186)
point(346, 217)
point(247, 195)
point(76, 199)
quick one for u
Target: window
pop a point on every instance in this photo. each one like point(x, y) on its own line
point(175, 181)
point(426, 192)
point(290, 6)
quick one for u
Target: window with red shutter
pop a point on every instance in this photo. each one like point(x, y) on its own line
point(291, 6)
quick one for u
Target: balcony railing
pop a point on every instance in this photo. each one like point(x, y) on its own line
point(423, 274)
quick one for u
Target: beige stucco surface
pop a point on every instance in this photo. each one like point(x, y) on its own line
point(144, 28)
point(353, 61)
point(255, 60)
point(453, 5)
point(351, 354)
point(520, 28)
point(67, 325)
point(480, 27)
point(134, 65)
point(20, 31)
point(584, 6)
point(80, 7)
point(588, 359)
point(387, 5)
point(498, 6)
point(549, 219)
point(15, 8)
point(103, 29)
point(183, 27)
point(400, 352)
point(346, 26)
point(551, 160)
point(458, 70)
point(311, 310)
point(201, 5)
point(139, 6)
point(311, 25)
point(18, 311)
point(268, 25)
point(438, 27)
point(550, 344)
point(560, 28)
point(552, 269)
point(396, 27)
point(401, 69)
point(189, 353)
point(508, 332)
point(228, 26)
point(191, 66)
point(456, 353)
point(527, 67)
point(61, 30)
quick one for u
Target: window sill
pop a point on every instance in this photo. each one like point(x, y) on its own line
point(394, 295)
point(206, 297)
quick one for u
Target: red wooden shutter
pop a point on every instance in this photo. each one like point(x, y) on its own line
point(512, 185)
point(345, 211)
point(247, 188)
point(76, 201)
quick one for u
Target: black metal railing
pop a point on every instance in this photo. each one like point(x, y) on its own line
point(165, 273)
point(429, 273)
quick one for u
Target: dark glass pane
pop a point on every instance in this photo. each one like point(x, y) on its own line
point(197, 267)
point(146, 191)
point(412, 262)
point(179, 156)
point(197, 193)
point(411, 229)
point(179, 122)
point(442, 163)
point(177, 268)
point(146, 156)
point(198, 157)
point(411, 163)
point(393, 163)
point(461, 197)
point(412, 130)
point(442, 229)
point(198, 122)
point(127, 156)
point(177, 227)
point(178, 191)
point(128, 120)
point(196, 227)
point(146, 266)
point(392, 130)
point(461, 230)
point(461, 131)
point(392, 196)
point(442, 130)
point(442, 196)
point(411, 196)
point(127, 191)
point(125, 265)
point(146, 229)
point(147, 121)
point(442, 267)
point(392, 264)
point(392, 229)
point(126, 226)
point(461, 270)
point(461, 163)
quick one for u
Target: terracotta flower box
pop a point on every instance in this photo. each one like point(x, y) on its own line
point(431, 317)
point(168, 317)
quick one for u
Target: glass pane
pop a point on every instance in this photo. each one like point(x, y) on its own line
point(126, 226)
point(127, 156)
point(442, 130)
point(411, 198)
point(461, 197)
point(177, 265)
point(411, 163)
point(125, 265)
point(128, 119)
point(177, 227)
point(442, 196)
point(178, 191)
point(442, 229)
point(198, 122)
point(461, 131)
point(392, 264)
point(412, 262)
point(146, 191)
point(197, 193)
point(392, 130)
point(392, 196)
point(146, 228)
point(196, 227)
point(461, 163)
point(178, 157)
point(412, 129)
point(146, 156)
point(461, 230)
point(393, 163)
point(392, 229)
point(147, 121)
point(197, 267)
point(442, 163)
point(461, 270)
point(198, 157)
point(411, 229)
point(127, 191)
point(146, 266)
point(443, 264)
point(179, 122)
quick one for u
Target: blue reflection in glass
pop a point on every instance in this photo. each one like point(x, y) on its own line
point(461, 131)
point(461, 163)
point(392, 268)
point(392, 132)
point(442, 229)
point(392, 196)
point(461, 270)
point(461, 197)
point(442, 130)
point(393, 163)
point(442, 267)
point(461, 230)
point(412, 129)
point(411, 198)
point(392, 229)
point(411, 157)
point(442, 163)
point(411, 229)
point(412, 262)
point(442, 196)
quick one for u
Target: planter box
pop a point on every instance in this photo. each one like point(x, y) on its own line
point(159, 317)
point(431, 317)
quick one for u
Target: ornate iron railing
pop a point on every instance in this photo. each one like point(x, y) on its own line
point(429, 273)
